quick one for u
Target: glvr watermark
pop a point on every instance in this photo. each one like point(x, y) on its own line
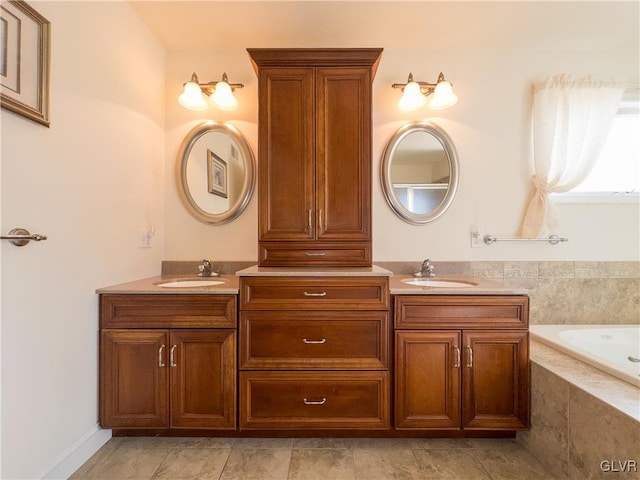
point(619, 466)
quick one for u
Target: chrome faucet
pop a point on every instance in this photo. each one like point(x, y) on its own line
point(206, 270)
point(426, 270)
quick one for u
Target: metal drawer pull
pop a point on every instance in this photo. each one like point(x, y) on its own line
point(160, 362)
point(311, 294)
point(470, 363)
point(316, 254)
point(457, 349)
point(304, 340)
point(315, 402)
point(172, 357)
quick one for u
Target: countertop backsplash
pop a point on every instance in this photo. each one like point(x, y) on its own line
point(561, 292)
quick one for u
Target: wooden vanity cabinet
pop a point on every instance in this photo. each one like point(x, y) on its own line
point(461, 362)
point(153, 375)
point(314, 150)
point(314, 353)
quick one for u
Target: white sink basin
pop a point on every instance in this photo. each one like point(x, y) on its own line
point(190, 283)
point(429, 282)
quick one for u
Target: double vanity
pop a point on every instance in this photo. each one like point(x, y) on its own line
point(323, 351)
point(315, 340)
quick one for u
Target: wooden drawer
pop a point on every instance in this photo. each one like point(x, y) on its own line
point(314, 340)
point(295, 254)
point(314, 293)
point(167, 311)
point(461, 311)
point(323, 400)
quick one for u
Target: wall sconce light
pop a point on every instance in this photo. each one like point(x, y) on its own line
point(415, 94)
point(220, 94)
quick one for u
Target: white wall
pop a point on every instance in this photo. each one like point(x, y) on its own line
point(492, 53)
point(90, 183)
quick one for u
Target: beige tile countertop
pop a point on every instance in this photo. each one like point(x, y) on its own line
point(150, 285)
point(477, 286)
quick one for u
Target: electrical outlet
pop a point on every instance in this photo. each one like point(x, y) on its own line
point(475, 239)
point(144, 240)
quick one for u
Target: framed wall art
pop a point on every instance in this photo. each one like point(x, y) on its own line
point(217, 174)
point(25, 54)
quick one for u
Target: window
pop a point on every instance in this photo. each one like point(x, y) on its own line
point(616, 176)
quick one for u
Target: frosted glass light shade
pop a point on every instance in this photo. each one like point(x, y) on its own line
point(223, 98)
point(192, 97)
point(412, 97)
point(443, 96)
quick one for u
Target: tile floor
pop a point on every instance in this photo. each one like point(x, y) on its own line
point(310, 458)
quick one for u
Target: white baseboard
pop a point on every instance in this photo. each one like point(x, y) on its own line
point(78, 453)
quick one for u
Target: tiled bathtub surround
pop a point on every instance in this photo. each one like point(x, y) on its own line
point(584, 423)
point(561, 292)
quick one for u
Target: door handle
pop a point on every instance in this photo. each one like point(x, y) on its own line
point(172, 356)
point(456, 348)
point(309, 221)
point(160, 362)
point(470, 362)
point(20, 237)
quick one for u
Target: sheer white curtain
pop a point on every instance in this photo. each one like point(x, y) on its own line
point(571, 121)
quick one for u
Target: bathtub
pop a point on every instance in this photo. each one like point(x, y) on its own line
point(611, 348)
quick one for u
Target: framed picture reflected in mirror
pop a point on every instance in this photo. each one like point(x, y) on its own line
point(217, 174)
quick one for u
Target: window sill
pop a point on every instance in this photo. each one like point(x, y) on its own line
point(602, 198)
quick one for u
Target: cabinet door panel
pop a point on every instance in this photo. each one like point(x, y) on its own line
point(134, 378)
point(343, 119)
point(427, 380)
point(496, 380)
point(203, 379)
point(286, 152)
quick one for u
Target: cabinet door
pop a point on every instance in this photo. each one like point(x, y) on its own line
point(134, 378)
point(427, 380)
point(286, 152)
point(496, 380)
point(343, 149)
point(203, 379)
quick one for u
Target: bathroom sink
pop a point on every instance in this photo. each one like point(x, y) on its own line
point(190, 283)
point(429, 282)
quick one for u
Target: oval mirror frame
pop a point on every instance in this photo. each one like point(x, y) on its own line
point(385, 175)
point(249, 173)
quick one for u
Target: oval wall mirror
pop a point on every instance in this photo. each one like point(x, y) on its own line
point(419, 172)
point(216, 172)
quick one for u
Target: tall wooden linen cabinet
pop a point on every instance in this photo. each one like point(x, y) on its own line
point(314, 151)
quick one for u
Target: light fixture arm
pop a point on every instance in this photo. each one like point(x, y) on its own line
point(209, 87)
point(425, 87)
